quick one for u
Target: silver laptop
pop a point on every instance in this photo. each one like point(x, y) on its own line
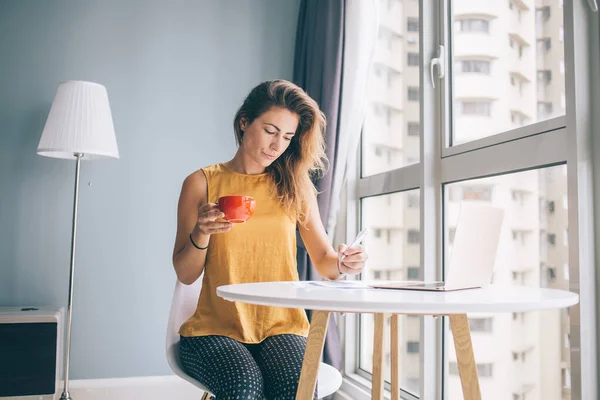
point(473, 251)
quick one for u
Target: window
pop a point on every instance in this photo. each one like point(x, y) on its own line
point(551, 273)
point(453, 368)
point(481, 324)
point(394, 88)
point(413, 200)
point(544, 13)
point(474, 66)
point(483, 370)
point(412, 274)
point(544, 76)
point(413, 59)
point(412, 347)
point(392, 257)
point(552, 238)
point(532, 44)
point(544, 45)
point(518, 316)
point(544, 109)
point(483, 141)
point(477, 192)
point(414, 129)
point(413, 94)
point(516, 117)
point(412, 24)
point(524, 197)
point(481, 108)
point(473, 25)
point(414, 236)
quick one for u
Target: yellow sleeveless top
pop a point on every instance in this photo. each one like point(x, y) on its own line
point(262, 249)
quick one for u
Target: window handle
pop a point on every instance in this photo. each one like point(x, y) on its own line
point(440, 62)
point(593, 5)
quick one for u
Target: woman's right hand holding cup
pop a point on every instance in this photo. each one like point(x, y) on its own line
point(207, 223)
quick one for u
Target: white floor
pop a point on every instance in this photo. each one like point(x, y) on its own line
point(157, 388)
point(142, 388)
point(146, 388)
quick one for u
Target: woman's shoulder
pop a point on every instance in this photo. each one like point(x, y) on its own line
point(212, 169)
point(200, 177)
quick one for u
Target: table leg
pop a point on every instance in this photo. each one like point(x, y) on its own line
point(377, 388)
point(312, 355)
point(395, 349)
point(467, 369)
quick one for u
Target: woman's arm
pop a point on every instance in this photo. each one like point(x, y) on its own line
point(195, 216)
point(321, 252)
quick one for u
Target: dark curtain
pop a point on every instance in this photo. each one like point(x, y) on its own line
point(318, 70)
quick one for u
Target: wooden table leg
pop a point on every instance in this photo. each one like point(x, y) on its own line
point(377, 388)
point(467, 369)
point(312, 355)
point(395, 349)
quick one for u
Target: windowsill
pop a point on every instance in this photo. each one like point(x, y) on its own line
point(357, 387)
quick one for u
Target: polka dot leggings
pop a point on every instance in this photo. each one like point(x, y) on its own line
point(234, 370)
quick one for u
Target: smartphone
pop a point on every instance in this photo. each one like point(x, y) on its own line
point(359, 239)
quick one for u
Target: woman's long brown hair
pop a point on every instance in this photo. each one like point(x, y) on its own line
point(304, 159)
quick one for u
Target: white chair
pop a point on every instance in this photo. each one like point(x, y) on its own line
point(185, 300)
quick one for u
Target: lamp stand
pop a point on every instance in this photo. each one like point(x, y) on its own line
point(65, 394)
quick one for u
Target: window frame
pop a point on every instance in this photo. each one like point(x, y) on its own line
point(559, 140)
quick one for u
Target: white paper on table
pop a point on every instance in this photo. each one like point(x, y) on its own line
point(340, 284)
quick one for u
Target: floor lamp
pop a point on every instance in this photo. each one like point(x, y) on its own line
point(79, 127)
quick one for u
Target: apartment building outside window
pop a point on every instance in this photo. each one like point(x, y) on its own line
point(473, 25)
point(498, 104)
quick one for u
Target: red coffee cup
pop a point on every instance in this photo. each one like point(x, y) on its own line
point(237, 209)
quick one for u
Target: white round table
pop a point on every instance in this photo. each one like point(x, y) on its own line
point(326, 297)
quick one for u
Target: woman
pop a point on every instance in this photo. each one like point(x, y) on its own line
point(246, 350)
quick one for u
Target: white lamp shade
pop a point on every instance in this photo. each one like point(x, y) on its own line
point(79, 121)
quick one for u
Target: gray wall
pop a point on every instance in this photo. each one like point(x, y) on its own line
point(175, 72)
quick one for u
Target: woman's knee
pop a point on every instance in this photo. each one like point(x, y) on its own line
point(243, 384)
point(224, 366)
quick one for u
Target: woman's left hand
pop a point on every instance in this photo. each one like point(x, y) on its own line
point(354, 259)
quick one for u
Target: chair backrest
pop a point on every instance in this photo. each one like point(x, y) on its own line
point(185, 301)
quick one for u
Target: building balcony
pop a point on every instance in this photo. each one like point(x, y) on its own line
point(490, 9)
point(477, 44)
point(390, 51)
point(393, 18)
point(473, 127)
point(477, 85)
